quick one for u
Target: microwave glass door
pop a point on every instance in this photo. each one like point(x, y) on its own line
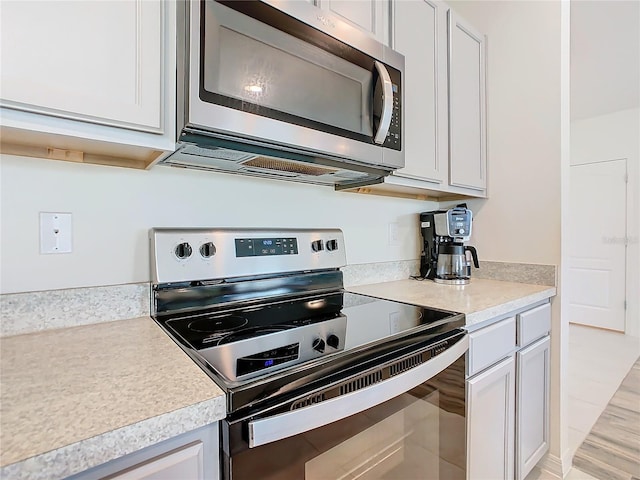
point(418, 434)
point(249, 65)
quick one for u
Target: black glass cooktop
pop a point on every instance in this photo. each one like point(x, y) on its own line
point(368, 319)
point(216, 328)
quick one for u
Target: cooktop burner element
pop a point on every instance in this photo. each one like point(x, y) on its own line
point(260, 321)
point(254, 320)
point(250, 333)
point(217, 325)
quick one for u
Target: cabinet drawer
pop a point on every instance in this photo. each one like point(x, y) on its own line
point(488, 345)
point(533, 324)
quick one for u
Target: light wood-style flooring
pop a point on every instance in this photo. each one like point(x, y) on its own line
point(612, 448)
point(599, 360)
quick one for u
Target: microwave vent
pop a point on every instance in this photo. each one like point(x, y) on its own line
point(219, 153)
point(350, 175)
point(287, 166)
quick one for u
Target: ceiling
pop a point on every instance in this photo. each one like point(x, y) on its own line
point(605, 56)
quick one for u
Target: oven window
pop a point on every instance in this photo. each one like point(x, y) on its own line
point(419, 434)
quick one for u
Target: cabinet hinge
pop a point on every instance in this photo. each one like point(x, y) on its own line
point(626, 178)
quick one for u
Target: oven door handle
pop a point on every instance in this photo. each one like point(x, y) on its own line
point(271, 429)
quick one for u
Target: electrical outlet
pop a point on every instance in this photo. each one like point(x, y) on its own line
point(394, 234)
point(55, 232)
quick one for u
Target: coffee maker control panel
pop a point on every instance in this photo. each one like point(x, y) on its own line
point(455, 223)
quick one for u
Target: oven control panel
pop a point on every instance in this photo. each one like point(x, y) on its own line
point(267, 359)
point(260, 247)
point(198, 254)
point(259, 355)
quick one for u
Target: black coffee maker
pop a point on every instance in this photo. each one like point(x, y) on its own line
point(444, 258)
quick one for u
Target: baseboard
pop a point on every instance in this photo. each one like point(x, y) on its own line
point(551, 464)
point(567, 461)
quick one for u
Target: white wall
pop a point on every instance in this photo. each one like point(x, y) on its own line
point(113, 208)
point(610, 137)
point(606, 137)
point(521, 220)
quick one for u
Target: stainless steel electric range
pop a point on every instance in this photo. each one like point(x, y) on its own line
point(320, 382)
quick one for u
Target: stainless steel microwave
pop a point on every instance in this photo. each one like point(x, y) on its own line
point(286, 90)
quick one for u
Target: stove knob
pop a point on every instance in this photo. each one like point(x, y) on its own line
point(318, 345)
point(317, 245)
point(207, 250)
point(332, 245)
point(183, 251)
point(333, 341)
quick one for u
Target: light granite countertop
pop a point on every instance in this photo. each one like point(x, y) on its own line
point(481, 300)
point(77, 397)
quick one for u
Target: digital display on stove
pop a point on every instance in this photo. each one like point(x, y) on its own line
point(269, 358)
point(259, 247)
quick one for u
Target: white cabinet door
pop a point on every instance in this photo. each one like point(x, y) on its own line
point(193, 455)
point(371, 16)
point(100, 62)
point(490, 422)
point(185, 463)
point(532, 422)
point(420, 34)
point(467, 159)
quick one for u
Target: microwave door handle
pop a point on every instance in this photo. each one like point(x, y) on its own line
point(387, 104)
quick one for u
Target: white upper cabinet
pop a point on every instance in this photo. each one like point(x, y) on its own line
point(467, 134)
point(444, 104)
point(76, 72)
point(371, 16)
point(421, 36)
point(99, 61)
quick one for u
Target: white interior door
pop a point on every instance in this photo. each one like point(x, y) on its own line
point(597, 259)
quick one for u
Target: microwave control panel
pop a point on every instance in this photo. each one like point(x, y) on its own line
point(394, 136)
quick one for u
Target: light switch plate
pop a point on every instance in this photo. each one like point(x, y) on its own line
point(55, 233)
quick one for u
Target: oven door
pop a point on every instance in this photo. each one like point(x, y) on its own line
point(408, 425)
point(258, 72)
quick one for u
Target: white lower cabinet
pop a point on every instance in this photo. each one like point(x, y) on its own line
point(190, 456)
point(532, 422)
point(508, 395)
point(186, 462)
point(490, 424)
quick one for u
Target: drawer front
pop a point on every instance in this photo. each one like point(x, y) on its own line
point(533, 324)
point(491, 344)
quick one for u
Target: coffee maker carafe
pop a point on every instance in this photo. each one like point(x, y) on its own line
point(444, 256)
